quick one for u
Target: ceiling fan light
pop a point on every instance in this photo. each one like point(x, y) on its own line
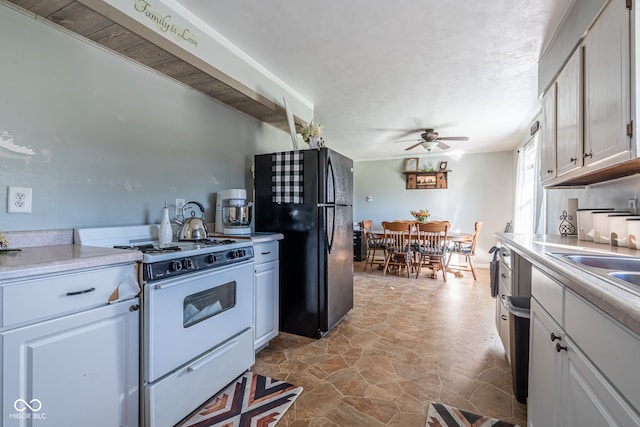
point(430, 145)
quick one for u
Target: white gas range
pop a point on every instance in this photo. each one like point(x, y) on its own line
point(197, 300)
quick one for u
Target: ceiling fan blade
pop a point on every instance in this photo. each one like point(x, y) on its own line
point(406, 132)
point(413, 146)
point(410, 140)
point(442, 145)
point(453, 138)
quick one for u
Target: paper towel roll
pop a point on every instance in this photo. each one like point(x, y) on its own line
point(572, 209)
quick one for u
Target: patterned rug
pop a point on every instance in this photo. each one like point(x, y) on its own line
point(251, 400)
point(440, 415)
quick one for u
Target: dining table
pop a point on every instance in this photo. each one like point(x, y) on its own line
point(455, 237)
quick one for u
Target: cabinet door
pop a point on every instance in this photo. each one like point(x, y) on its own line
point(545, 370)
point(81, 368)
point(503, 322)
point(266, 286)
point(588, 398)
point(606, 73)
point(569, 115)
point(548, 143)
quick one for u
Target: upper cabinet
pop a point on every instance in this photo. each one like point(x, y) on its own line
point(606, 74)
point(548, 141)
point(586, 111)
point(569, 115)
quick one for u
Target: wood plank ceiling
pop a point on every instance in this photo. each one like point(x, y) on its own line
point(82, 20)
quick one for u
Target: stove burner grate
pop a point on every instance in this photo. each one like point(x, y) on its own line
point(149, 248)
point(211, 242)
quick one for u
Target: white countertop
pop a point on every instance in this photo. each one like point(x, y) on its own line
point(38, 260)
point(256, 237)
point(620, 303)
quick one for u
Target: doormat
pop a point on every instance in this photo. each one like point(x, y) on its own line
point(440, 415)
point(250, 400)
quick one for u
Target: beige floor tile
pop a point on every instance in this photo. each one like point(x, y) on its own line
point(407, 342)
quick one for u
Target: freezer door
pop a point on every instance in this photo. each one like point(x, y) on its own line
point(335, 178)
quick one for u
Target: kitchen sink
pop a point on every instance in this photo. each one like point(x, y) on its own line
point(629, 277)
point(622, 271)
point(607, 262)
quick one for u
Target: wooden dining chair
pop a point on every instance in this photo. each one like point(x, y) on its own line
point(431, 248)
point(397, 239)
point(468, 250)
point(373, 242)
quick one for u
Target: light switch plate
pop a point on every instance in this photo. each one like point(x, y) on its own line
point(19, 200)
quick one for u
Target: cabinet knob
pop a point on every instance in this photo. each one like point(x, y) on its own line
point(134, 307)
point(573, 160)
point(559, 347)
point(503, 317)
point(589, 154)
point(549, 170)
point(555, 337)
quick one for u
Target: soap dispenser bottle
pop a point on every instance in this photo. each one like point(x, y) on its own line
point(165, 235)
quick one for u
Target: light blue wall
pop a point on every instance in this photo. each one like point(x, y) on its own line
point(480, 189)
point(112, 139)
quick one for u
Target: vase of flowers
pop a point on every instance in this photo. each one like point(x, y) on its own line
point(312, 135)
point(421, 216)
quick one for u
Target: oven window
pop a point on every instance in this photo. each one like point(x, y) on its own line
point(206, 304)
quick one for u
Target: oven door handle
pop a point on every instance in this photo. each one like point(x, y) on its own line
point(200, 363)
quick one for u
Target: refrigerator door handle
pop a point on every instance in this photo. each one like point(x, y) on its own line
point(331, 183)
point(330, 214)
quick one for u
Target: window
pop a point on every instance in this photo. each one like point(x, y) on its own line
point(526, 188)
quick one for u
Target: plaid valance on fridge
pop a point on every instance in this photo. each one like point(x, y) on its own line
point(287, 177)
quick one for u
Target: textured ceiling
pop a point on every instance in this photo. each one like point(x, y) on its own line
point(376, 68)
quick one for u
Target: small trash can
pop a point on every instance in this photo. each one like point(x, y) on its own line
point(519, 313)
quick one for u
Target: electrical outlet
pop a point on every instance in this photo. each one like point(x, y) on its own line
point(19, 200)
point(179, 205)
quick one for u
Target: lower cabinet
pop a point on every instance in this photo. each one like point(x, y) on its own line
point(76, 370)
point(545, 369)
point(566, 388)
point(266, 293)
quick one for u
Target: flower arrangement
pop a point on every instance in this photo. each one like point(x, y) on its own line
point(422, 215)
point(311, 131)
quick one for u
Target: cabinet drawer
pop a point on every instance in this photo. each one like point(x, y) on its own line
point(265, 251)
point(549, 293)
point(613, 349)
point(37, 299)
point(505, 279)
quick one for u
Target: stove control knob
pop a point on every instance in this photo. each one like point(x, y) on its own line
point(231, 255)
point(211, 259)
point(176, 266)
point(188, 264)
point(241, 253)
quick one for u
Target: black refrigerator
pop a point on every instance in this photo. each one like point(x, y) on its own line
point(307, 196)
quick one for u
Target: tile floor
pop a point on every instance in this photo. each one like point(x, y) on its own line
point(406, 343)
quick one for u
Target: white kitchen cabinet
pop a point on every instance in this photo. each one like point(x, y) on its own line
point(82, 368)
point(266, 293)
point(566, 387)
point(514, 279)
point(588, 398)
point(607, 85)
point(548, 141)
point(569, 115)
point(544, 369)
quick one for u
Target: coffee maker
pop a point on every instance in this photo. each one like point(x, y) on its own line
point(233, 213)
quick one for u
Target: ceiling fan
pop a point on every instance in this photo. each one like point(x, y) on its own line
point(429, 139)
